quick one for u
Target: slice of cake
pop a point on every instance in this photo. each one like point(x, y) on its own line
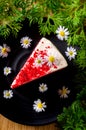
point(45, 59)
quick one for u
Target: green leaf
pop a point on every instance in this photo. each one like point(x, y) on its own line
point(73, 117)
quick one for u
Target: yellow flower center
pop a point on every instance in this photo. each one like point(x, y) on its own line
point(26, 41)
point(64, 91)
point(62, 33)
point(7, 94)
point(51, 59)
point(4, 50)
point(42, 87)
point(71, 53)
point(7, 70)
point(39, 61)
point(40, 105)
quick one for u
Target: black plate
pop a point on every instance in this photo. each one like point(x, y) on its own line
point(19, 107)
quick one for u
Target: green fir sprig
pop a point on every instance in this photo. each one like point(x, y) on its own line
point(49, 14)
point(73, 117)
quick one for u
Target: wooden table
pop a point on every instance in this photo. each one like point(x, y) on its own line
point(6, 124)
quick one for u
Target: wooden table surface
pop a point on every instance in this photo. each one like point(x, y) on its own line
point(6, 124)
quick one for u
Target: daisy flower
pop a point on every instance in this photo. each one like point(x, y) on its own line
point(7, 94)
point(63, 92)
point(62, 33)
point(38, 106)
point(39, 61)
point(71, 53)
point(25, 42)
point(7, 70)
point(4, 50)
point(51, 59)
point(43, 87)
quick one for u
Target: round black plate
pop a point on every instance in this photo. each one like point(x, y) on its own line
point(19, 107)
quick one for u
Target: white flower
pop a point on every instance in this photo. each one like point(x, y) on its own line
point(7, 70)
point(63, 92)
point(43, 87)
point(62, 33)
point(25, 42)
point(7, 94)
point(39, 61)
point(38, 106)
point(51, 59)
point(71, 53)
point(4, 50)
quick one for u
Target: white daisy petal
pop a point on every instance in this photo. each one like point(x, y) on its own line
point(8, 94)
point(52, 59)
point(71, 53)
point(59, 37)
point(66, 33)
point(63, 28)
point(62, 33)
point(25, 42)
point(66, 30)
point(7, 70)
point(65, 96)
point(4, 50)
point(39, 61)
point(43, 87)
point(66, 37)
point(38, 106)
point(63, 92)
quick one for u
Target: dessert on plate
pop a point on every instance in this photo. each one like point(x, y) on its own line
point(45, 59)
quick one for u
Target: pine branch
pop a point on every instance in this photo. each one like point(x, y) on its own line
point(71, 14)
point(73, 118)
